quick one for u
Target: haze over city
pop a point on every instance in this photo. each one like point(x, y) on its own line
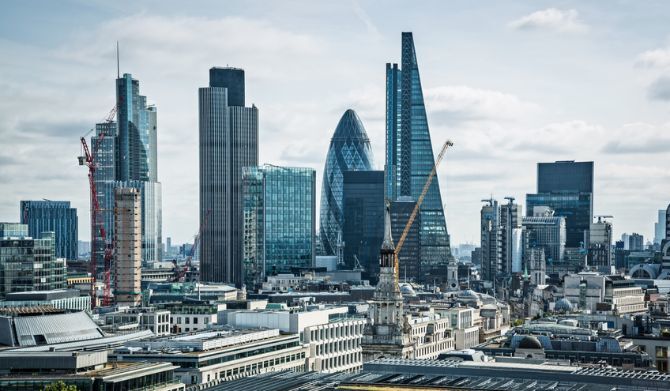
point(512, 84)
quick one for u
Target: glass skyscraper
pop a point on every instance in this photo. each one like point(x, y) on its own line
point(55, 216)
point(567, 188)
point(409, 157)
point(28, 263)
point(279, 220)
point(491, 240)
point(228, 142)
point(349, 151)
point(363, 229)
point(127, 157)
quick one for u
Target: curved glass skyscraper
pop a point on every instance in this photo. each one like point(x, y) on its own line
point(349, 151)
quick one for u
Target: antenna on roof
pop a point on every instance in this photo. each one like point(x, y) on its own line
point(118, 67)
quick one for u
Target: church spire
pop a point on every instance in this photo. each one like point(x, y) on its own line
point(387, 244)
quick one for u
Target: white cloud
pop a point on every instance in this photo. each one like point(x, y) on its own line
point(464, 103)
point(657, 58)
point(565, 21)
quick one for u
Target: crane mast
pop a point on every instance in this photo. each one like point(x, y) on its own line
point(88, 160)
point(426, 186)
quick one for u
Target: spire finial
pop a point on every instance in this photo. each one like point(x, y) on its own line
point(388, 239)
point(118, 63)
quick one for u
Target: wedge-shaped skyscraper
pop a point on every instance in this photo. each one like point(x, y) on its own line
point(349, 151)
point(409, 158)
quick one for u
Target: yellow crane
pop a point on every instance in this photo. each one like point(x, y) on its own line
point(405, 231)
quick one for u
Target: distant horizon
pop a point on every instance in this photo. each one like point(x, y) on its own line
point(512, 84)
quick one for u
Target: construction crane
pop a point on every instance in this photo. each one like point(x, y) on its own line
point(405, 231)
point(88, 160)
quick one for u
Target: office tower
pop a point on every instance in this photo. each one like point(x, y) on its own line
point(349, 150)
point(509, 221)
point(127, 246)
point(491, 240)
point(126, 155)
point(567, 188)
point(228, 142)
point(665, 244)
point(363, 229)
point(409, 255)
point(55, 216)
point(104, 150)
point(625, 238)
point(409, 156)
point(659, 227)
point(518, 235)
point(635, 242)
point(136, 161)
point(600, 244)
point(547, 231)
point(27, 263)
point(279, 213)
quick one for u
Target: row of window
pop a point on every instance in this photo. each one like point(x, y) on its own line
point(336, 332)
point(343, 360)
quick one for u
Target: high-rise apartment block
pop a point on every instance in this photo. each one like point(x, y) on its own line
point(127, 246)
point(228, 142)
point(279, 213)
point(567, 188)
point(363, 230)
point(27, 263)
point(349, 150)
point(54, 216)
point(126, 156)
point(409, 157)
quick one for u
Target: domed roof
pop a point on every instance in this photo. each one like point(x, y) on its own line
point(563, 305)
point(530, 342)
point(406, 289)
point(468, 292)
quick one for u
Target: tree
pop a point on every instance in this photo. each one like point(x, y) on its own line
point(60, 386)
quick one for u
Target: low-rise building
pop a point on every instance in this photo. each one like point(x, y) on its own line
point(602, 293)
point(35, 326)
point(141, 318)
point(214, 357)
point(569, 343)
point(333, 338)
point(67, 299)
point(464, 329)
point(85, 370)
point(187, 317)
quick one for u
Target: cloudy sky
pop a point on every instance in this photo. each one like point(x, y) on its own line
point(511, 83)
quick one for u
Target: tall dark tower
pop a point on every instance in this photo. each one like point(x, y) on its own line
point(228, 142)
point(410, 159)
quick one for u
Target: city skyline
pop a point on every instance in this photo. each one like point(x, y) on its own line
point(487, 89)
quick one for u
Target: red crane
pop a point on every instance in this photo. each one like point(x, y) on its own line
point(88, 160)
